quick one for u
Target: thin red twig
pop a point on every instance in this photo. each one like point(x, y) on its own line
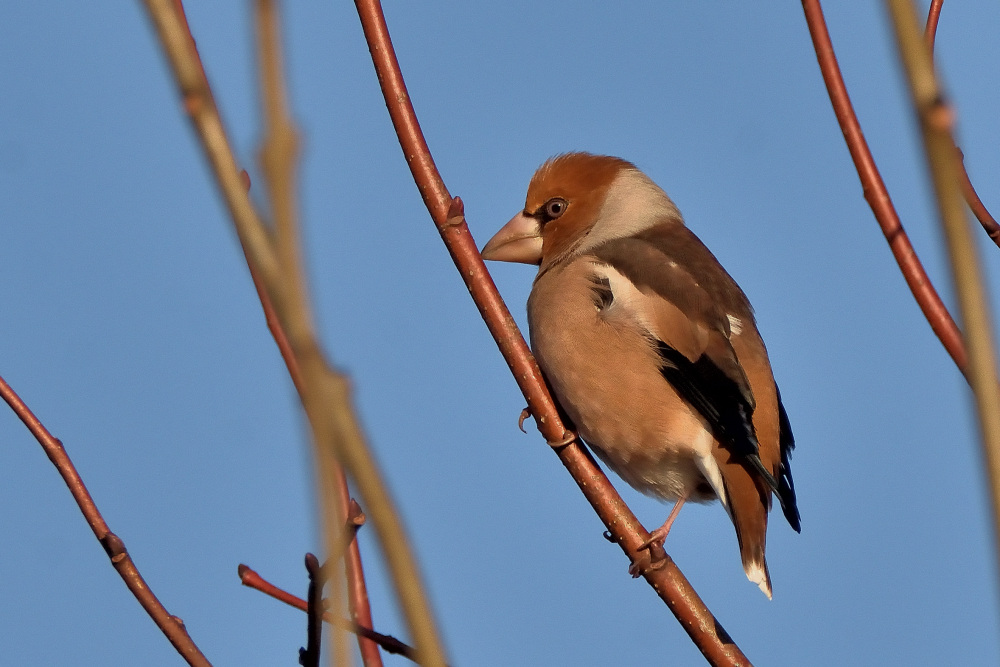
point(448, 216)
point(937, 121)
point(170, 625)
point(976, 204)
point(390, 644)
point(877, 195)
point(933, 14)
point(357, 591)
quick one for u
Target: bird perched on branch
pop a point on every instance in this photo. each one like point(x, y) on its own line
point(650, 347)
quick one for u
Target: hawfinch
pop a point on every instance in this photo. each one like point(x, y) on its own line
point(650, 346)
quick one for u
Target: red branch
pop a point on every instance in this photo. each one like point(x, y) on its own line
point(171, 626)
point(975, 203)
point(357, 591)
point(933, 14)
point(447, 214)
point(876, 193)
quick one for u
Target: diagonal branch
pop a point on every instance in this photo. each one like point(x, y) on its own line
point(936, 122)
point(199, 103)
point(448, 216)
point(278, 157)
point(930, 29)
point(325, 394)
point(169, 625)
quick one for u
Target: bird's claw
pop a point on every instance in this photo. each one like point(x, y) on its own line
point(654, 540)
point(642, 565)
point(520, 420)
point(657, 556)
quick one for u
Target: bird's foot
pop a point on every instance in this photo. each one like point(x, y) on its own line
point(654, 560)
point(656, 538)
point(654, 545)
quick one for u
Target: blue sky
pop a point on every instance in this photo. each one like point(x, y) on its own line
point(130, 326)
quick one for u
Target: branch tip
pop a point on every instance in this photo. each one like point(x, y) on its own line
point(312, 565)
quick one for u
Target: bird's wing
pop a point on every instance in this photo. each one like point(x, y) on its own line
point(691, 332)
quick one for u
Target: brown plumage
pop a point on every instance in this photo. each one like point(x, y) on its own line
point(650, 346)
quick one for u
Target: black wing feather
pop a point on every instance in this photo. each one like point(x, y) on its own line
point(786, 487)
point(719, 400)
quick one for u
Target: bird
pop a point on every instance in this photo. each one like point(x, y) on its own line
point(650, 347)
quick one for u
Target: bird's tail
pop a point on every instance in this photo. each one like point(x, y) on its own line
point(756, 569)
point(747, 502)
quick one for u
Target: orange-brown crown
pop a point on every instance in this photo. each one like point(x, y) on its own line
point(582, 179)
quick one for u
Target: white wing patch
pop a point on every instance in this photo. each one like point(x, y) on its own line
point(710, 469)
point(735, 325)
point(628, 300)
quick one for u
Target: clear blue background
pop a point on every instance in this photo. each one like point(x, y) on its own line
point(129, 324)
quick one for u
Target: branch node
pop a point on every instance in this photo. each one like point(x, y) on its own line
point(456, 213)
point(194, 101)
point(940, 115)
point(114, 547)
point(355, 516)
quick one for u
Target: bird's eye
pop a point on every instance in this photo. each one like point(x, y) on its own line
point(554, 208)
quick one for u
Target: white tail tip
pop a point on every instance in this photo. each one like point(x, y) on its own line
point(758, 575)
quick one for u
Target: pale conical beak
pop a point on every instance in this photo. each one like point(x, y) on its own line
point(520, 240)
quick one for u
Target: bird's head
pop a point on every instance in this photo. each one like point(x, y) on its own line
point(576, 201)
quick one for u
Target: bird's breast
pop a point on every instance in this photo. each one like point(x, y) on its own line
point(605, 372)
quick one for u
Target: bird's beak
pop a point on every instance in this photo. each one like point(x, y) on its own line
point(520, 240)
